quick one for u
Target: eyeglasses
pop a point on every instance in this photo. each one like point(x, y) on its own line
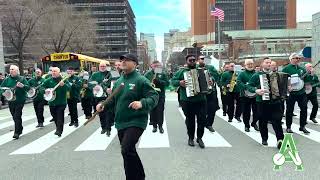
point(202, 58)
point(296, 58)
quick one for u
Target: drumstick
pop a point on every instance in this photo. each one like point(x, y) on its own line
point(103, 103)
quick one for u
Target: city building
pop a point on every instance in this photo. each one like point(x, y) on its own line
point(116, 26)
point(150, 38)
point(1, 51)
point(315, 45)
point(142, 53)
point(241, 15)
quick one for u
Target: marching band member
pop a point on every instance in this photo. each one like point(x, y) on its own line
point(296, 96)
point(20, 86)
point(86, 96)
point(248, 103)
point(131, 106)
point(231, 89)
point(38, 101)
point(312, 82)
point(191, 106)
point(73, 96)
point(212, 99)
point(101, 77)
point(222, 95)
point(58, 105)
point(160, 81)
point(268, 109)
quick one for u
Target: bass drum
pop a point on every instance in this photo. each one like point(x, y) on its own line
point(31, 93)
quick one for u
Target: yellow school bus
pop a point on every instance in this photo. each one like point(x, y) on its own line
point(65, 60)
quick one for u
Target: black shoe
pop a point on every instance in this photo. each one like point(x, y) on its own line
point(313, 120)
point(289, 130)
point(282, 122)
point(224, 114)
point(265, 143)
point(255, 126)
point(190, 142)
point(154, 129)
point(279, 144)
point(39, 125)
point(304, 130)
point(210, 128)
point(230, 120)
point(108, 133)
point(16, 136)
point(103, 131)
point(246, 129)
point(52, 120)
point(294, 115)
point(238, 119)
point(161, 130)
point(57, 133)
point(71, 124)
point(269, 122)
point(76, 124)
point(200, 142)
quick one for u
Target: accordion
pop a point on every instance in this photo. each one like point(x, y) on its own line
point(197, 81)
point(275, 86)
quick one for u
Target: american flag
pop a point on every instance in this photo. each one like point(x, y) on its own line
point(217, 12)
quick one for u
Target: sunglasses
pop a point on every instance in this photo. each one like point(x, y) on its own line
point(192, 60)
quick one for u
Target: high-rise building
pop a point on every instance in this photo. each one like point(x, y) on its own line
point(150, 38)
point(1, 51)
point(116, 26)
point(315, 45)
point(241, 15)
point(166, 44)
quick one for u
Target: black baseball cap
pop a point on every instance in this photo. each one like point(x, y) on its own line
point(130, 56)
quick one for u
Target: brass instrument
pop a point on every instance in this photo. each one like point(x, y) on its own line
point(83, 90)
point(233, 82)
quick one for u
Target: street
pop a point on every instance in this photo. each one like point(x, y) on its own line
point(83, 153)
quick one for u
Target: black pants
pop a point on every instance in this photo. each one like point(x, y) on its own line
point(103, 114)
point(156, 115)
point(212, 107)
point(39, 108)
point(314, 101)
point(57, 112)
point(223, 101)
point(16, 113)
point(73, 110)
point(132, 164)
point(231, 97)
point(273, 113)
point(2, 100)
point(302, 103)
point(249, 104)
point(190, 110)
point(86, 104)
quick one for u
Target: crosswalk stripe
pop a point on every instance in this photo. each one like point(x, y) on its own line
point(155, 140)
point(314, 135)
point(4, 118)
point(48, 140)
point(309, 121)
point(255, 135)
point(11, 123)
point(211, 139)
point(97, 141)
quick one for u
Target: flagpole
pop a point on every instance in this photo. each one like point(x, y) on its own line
point(219, 42)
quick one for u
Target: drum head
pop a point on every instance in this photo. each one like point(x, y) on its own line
point(8, 94)
point(31, 93)
point(48, 95)
point(98, 91)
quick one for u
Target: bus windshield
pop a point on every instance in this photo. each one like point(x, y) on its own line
point(63, 65)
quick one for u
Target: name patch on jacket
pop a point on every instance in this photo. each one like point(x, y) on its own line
point(132, 86)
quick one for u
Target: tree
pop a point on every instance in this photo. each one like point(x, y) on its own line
point(67, 29)
point(19, 19)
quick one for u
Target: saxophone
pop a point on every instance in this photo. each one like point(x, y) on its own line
point(233, 82)
point(83, 90)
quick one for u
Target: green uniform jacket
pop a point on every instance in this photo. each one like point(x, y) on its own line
point(161, 81)
point(61, 91)
point(242, 80)
point(137, 88)
point(36, 82)
point(75, 87)
point(88, 92)
point(312, 79)
point(99, 77)
point(21, 93)
point(292, 69)
point(175, 81)
point(226, 79)
point(254, 84)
